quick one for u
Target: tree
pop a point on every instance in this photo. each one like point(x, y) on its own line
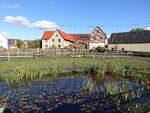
point(137, 29)
point(34, 44)
point(20, 44)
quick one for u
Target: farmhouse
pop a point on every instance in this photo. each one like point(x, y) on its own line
point(130, 41)
point(57, 39)
point(3, 41)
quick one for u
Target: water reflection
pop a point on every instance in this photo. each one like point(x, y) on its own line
point(80, 94)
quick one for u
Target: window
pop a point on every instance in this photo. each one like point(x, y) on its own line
point(106, 46)
point(53, 46)
point(56, 35)
point(122, 49)
point(53, 40)
point(94, 38)
point(59, 40)
point(46, 46)
point(59, 46)
point(101, 38)
point(97, 31)
point(84, 37)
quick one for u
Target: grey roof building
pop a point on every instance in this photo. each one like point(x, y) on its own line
point(130, 41)
point(130, 37)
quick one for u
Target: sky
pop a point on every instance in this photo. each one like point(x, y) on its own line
point(28, 19)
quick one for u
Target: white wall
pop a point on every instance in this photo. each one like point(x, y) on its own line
point(106, 41)
point(56, 36)
point(3, 41)
point(95, 45)
point(143, 47)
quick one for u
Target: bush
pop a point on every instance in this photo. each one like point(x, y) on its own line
point(100, 49)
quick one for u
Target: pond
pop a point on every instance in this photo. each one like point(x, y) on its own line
point(76, 94)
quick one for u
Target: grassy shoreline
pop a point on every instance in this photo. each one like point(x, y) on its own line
point(18, 69)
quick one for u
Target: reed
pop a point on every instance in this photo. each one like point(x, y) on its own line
point(29, 68)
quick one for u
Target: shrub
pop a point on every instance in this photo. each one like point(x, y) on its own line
point(100, 49)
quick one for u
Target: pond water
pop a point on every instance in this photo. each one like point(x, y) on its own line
point(76, 94)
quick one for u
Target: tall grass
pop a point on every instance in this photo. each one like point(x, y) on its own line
point(118, 93)
point(29, 68)
point(123, 70)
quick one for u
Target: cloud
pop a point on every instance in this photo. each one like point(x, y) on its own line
point(148, 28)
point(10, 6)
point(19, 20)
point(23, 21)
point(44, 25)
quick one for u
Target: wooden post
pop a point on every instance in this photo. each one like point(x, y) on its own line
point(18, 52)
point(55, 52)
point(8, 55)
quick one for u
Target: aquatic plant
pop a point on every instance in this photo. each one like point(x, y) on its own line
point(29, 68)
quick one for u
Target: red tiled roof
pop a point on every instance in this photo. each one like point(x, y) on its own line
point(47, 34)
point(66, 36)
point(78, 36)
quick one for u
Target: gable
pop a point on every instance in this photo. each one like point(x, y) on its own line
point(98, 31)
point(56, 36)
point(48, 34)
point(97, 35)
point(66, 36)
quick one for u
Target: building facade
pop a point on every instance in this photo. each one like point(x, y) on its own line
point(81, 40)
point(97, 38)
point(57, 39)
point(3, 41)
point(130, 41)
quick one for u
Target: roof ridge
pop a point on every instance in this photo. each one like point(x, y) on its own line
point(65, 37)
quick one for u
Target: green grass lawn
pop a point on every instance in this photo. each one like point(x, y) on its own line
point(17, 68)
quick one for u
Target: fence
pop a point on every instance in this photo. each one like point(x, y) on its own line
point(8, 53)
point(57, 52)
point(42, 52)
